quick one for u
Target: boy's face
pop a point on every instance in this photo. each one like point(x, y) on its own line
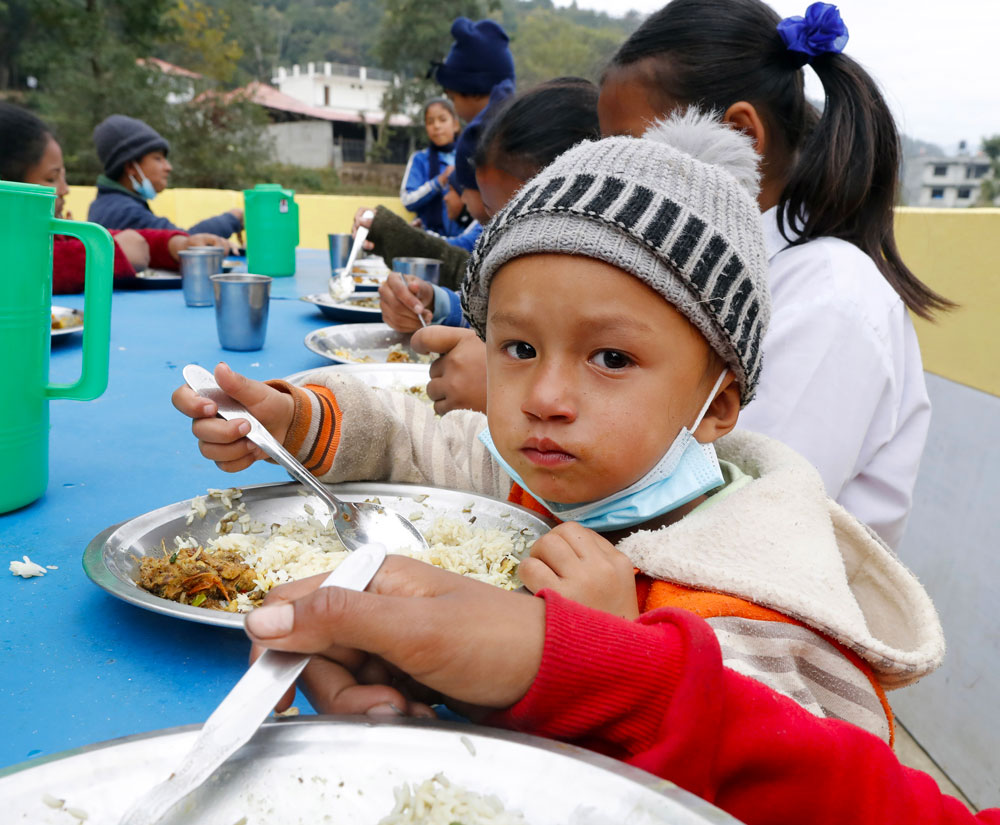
point(591, 374)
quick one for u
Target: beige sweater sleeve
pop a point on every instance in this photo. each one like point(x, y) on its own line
point(344, 430)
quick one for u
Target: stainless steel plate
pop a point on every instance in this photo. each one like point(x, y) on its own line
point(359, 343)
point(344, 770)
point(158, 279)
point(366, 278)
point(63, 313)
point(384, 376)
point(347, 311)
point(111, 558)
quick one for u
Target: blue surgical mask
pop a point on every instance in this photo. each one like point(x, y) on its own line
point(687, 470)
point(143, 187)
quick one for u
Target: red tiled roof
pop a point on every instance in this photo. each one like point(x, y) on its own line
point(271, 98)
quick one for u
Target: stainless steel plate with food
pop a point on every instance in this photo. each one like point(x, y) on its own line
point(363, 344)
point(365, 279)
point(66, 321)
point(358, 308)
point(408, 378)
point(158, 279)
point(114, 558)
point(345, 770)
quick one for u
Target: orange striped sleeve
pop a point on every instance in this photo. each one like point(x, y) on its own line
point(314, 434)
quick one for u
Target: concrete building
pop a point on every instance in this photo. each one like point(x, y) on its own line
point(349, 98)
point(952, 182)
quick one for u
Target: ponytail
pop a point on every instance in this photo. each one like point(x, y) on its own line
point(844, 175)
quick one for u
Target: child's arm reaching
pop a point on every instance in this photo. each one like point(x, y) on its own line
point(583, 566)
point(344, 430)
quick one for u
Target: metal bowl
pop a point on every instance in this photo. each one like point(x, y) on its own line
point(344, 770)
point(111, 558)
point(347, 311)
point(359, 344)
point(73, 316)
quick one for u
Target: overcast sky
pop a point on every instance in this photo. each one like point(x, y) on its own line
point(938, 61)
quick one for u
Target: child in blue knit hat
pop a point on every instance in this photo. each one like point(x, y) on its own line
point(477, 75)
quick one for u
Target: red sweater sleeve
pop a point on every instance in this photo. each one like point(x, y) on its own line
point(68, 265)
point(654, 693)
point(159, 250)
point(68, 259)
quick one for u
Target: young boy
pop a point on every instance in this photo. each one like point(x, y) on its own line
point(622, 298)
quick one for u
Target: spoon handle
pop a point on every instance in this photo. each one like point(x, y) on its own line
point(203, 382)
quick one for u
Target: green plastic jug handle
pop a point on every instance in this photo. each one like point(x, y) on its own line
point(99, 278)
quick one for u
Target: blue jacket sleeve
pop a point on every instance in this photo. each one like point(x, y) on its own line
point(222, 225)
point(467, 240)
point(418, 188)
point(114, 210)
point(447, 308)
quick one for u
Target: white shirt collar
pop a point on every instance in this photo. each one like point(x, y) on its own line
point(774, 241)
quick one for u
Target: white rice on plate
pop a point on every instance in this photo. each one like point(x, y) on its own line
point(303, 547)
point(437, 801)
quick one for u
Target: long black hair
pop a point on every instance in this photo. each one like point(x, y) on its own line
point(536, 126)
point(843, 178)
point(23, 138)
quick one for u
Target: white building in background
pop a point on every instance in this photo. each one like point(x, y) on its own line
point(330, 114)
point(953, 182)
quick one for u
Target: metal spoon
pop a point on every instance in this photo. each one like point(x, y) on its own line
point(356, 524)
point(345, 283)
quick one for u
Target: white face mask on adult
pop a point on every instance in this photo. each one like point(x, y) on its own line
point(687, 470)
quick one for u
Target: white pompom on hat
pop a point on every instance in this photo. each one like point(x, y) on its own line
point(676, 208)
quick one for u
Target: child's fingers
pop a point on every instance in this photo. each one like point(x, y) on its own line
point(219, 431)
point(556, 552)
point(191, 404)
point(248, 392)
point(537, 575)
point(228, 453)
point(237, 466)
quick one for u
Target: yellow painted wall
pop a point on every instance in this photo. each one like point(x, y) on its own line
point(955, 251)
point(319, 215)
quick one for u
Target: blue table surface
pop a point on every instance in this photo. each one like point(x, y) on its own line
point(79, 666)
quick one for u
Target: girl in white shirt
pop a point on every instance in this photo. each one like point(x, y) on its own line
point(842, 381)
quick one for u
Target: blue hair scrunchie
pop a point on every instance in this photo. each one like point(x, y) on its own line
point(821, 31)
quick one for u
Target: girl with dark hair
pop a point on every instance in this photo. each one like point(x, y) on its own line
point(843, 382)
point(527, 133)
point(29, 153)
point(425, 180)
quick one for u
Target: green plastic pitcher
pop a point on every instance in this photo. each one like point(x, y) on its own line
point(26, 229)
point(271, 217)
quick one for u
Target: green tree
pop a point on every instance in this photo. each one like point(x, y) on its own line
point(202, 43)
point(548, 45)
point(990, 189)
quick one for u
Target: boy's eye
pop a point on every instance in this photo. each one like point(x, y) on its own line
point(610, 359)
point(520, 350)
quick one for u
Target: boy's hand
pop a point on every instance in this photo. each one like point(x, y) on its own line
point(135, 247)
point(401, 301)
point(405, 621)
point(361, 220)
point(458, 377)
point(223, 441)
point(583, 566)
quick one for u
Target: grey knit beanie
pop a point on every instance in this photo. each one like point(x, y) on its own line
point(676, 208)
point(120, 139)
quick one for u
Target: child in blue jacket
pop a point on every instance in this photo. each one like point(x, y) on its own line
point(425, 181)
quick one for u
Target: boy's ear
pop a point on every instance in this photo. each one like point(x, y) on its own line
point(745, 117)
point(722, 413)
